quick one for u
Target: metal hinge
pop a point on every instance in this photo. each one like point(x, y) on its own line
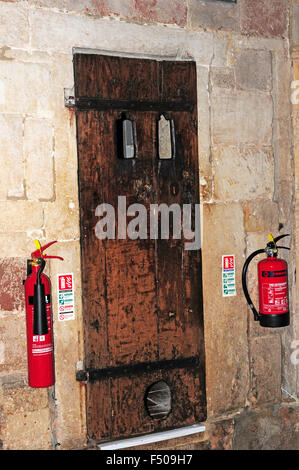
point(69, 98)
point(103, 104)
point(92, 375)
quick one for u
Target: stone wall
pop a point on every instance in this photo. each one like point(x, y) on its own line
point(294, 34)
point(246, 149)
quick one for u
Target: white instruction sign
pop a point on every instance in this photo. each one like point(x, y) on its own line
point(228, 276)
point(66, 297)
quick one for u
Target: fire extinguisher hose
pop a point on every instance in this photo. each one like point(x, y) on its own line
point(244, 284)
point(40, 322)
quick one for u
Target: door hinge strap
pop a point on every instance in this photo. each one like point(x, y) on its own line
point(92, 375)
point(85, 103)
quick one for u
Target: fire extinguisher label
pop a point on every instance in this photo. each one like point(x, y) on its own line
point(228, 276)
point(36, 338)
point(66, 297)
point(275, 297)
point(274, 273)
point(41, 344)
point(42, 351)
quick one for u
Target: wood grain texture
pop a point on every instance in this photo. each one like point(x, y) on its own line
point(142, 299)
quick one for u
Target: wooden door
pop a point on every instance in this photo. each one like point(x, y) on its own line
point(142, 298)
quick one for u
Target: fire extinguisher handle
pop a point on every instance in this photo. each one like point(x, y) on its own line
point(244, 282)
point(280, 237)
point(52, 257)
point(40, 249)
point(283, 247)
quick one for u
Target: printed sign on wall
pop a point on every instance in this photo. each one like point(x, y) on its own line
point(66, 297)
point(228, 276)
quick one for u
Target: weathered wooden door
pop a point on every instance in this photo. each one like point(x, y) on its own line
point(142, 298)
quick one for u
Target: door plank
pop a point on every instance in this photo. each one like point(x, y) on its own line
point(142, 299)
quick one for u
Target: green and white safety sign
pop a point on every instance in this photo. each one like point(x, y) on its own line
point(228, 276)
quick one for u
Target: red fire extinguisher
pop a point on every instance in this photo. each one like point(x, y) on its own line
point(40, 352)
point(272, 286)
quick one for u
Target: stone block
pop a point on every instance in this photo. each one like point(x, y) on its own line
point(20, 216)
point(282, 75)
point(254, 70)
point(160, 11)
point(295, 26)
point(220, 15)
point(61, 32)
point(18, 244)
point(269, 428)
point(14, 26)
point(205, 167)
point(89, 7)
point(62, 76)
point(12, 273)
point(289, 414)
point(61, 220)
point(242, 173)
point(241, 117)
point(221, 434)
point(264, 18)
point(223, 77)
point(65, 157)
point(2, 352)
point(285, 201)
point(225, 318)
point(17, 397)
point(282, 136)
point(13, 329)
point(283, 150)
point(257, 430)
point(38, 149)
point(222, 47)
point(11, 154)
point(204, 48)
point(27, 431)
point(22, 55)
point(261, 216)
point(24, 88)
point(71, 417)
point(265, 369)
